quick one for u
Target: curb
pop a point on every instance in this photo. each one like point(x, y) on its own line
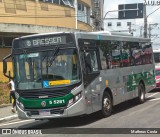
point(5, 105)
point(5, 119)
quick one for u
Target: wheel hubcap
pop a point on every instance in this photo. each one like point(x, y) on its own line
point(107, 104)
point(142, 95)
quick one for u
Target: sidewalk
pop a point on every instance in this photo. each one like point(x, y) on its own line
point(6, 113)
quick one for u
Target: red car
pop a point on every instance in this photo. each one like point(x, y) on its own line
point(157, 73)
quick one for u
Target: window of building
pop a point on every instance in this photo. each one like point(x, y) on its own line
point(61, 2)
point(83, 13)
point(118, 24)
point(109, 24)
point(79, 6)
point(68, 2)
point(8, 41)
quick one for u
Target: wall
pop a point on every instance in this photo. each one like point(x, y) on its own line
point(88, 2)
point(38, 13)
point(84, 26)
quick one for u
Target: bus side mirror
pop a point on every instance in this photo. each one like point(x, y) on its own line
point(5, 66)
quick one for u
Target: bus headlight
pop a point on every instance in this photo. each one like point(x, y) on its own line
point(77, 97)
point(74, 99)
point(70, 102)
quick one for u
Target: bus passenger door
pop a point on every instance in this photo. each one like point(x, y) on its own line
point(91, 77)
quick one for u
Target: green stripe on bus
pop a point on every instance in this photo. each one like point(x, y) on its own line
point(51, 102)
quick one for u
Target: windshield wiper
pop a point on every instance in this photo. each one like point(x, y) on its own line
point(51, 59)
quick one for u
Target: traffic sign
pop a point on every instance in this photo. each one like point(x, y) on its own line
point(130, 11)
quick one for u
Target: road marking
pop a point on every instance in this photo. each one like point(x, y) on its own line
point(17, 122)
point(153, 95)
point(9, 117)
point(154, 99)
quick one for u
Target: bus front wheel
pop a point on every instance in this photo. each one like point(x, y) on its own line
point(106, 105)
point(141, 93)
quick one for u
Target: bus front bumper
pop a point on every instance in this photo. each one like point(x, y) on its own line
point(78, 108)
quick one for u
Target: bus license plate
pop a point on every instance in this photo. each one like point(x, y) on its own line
point(44, 112)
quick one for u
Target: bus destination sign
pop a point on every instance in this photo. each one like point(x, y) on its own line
point(42, 41)
point(46, 41)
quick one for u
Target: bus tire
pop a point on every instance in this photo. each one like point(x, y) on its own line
point(141, 93)
point(107, 105)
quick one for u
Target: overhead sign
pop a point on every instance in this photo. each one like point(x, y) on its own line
point(130, 11)
point(38, 41)
point(44, 41)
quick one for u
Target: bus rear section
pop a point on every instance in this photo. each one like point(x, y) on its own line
point(156, 53)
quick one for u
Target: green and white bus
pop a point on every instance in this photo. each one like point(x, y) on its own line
point(70, 74)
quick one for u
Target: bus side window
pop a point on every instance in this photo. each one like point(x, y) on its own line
point(105, 54)
point(125, 56)
point(136, 53)
point(115, 54)
point(147, 53)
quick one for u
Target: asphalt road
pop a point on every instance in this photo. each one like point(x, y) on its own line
point(128, 115)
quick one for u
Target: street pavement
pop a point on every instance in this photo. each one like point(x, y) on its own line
point(6, 114)
point(126, 115)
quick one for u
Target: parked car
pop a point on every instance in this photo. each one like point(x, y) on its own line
point(157, 73)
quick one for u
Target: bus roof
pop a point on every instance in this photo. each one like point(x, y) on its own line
point(110, 36)
point(99, 35)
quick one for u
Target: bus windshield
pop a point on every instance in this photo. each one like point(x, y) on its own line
point(47, 69)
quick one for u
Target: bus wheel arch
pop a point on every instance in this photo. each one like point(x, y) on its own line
point(107, 103)
point(141, 92)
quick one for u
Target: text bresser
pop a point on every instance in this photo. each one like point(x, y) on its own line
point(47, 41)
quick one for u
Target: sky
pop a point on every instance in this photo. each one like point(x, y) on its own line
point(110, 5)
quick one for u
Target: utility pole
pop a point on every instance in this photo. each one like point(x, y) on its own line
point(141, 28)
point(145, 21)
point(130, 28)
point(149, 31)
point(97, 14)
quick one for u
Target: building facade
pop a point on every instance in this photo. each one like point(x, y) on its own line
point(23, 17)
point(118, 25)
